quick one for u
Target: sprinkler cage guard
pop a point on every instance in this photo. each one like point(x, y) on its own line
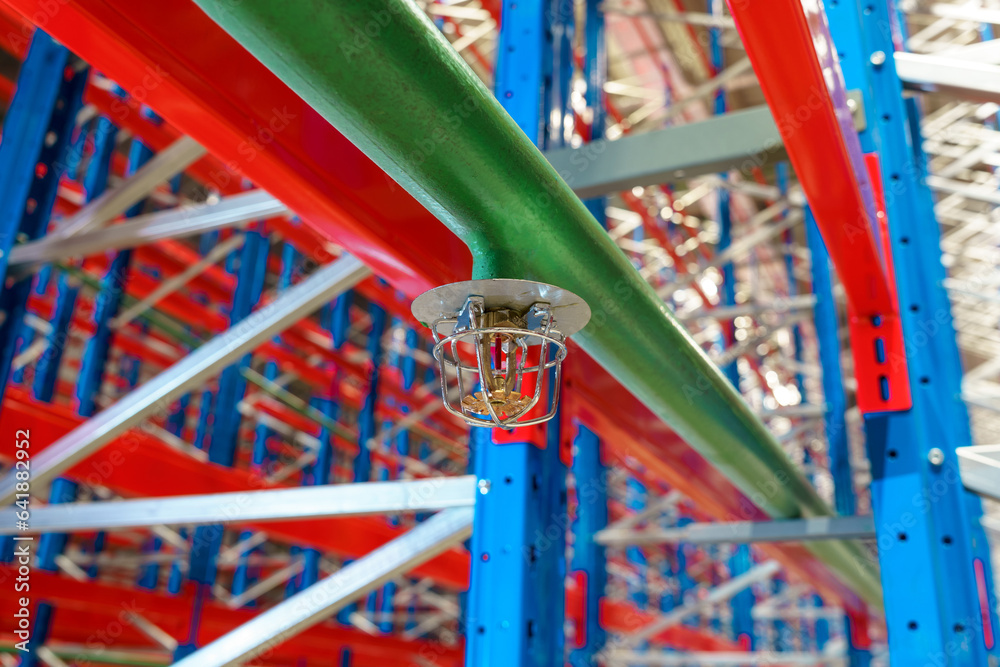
point(497, 342)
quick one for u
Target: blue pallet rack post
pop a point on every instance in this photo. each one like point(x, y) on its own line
point(588, 565)
point(225, 422)
point(95, 356)
point(516, 602)
point(48, 95)
point(37, 133)
point(834, 421)
point(595, 66)
point(933, 554)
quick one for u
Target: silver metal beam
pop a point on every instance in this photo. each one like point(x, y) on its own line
point(166, 164)
point(779, 305)
point(189, 373)
point(320, 601)
point(968, 190)
point(745, 532)
point(143, 229)
point(966, 13)
point(980, 469)
point(314, 502)
point(972, 80)
point(731, 141)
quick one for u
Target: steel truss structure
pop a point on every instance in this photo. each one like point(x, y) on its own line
point(220, 424)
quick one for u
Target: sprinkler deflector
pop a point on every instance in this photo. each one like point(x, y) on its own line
point(499, 345)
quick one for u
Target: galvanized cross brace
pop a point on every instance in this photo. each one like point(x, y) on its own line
point(145, 401)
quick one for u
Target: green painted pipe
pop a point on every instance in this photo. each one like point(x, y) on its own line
point(382, 74)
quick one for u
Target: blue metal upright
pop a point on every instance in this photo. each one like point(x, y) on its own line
point(635, 502)
point(595, 68)
point(834, 421)
point(38, 131)
point(742, 603)
point(515, 605)
point(588, 565)
point(232, 384)
point(366, 419)
point(934, 562)
point(224, 425)
point(106, 306)
point(728, 292)
point(828, 335)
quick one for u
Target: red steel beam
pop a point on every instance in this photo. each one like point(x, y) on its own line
point(85, 610)
point(804, 88)
point(171, 57)
point(127, 467)
point(811, 123)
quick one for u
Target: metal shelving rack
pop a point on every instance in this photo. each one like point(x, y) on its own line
point(237, 449)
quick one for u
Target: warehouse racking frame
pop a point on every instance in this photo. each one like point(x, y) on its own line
point(337, 392)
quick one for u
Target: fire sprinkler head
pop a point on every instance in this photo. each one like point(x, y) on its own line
point(497, 342)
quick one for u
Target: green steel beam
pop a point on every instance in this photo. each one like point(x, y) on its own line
point(382, 74)
point(739, 140)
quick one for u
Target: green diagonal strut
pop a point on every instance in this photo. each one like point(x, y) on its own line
point(381, 73)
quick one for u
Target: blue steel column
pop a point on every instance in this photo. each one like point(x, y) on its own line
point(366, 418)
point(589, 561)
point(731, 369)
point(835, 424)
point(931, 548)
point(518, 550)
point(516, 599)
point(108, 301)
point(827, 333)
point(232, 385)
point(739, 562)
point(362, 463)
point(46, 100)
point(245, 575)
point(95, 182)
point(45, 104)
point(595, 68)
point(207, 540)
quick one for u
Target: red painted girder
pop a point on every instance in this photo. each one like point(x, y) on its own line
point(804, 88)
point(795, 84)
point(15, 33)
point(883, 380)
point(137, 464)
point(170, 56)
point(84, 609)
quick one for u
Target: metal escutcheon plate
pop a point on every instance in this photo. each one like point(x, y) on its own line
point(570, 311)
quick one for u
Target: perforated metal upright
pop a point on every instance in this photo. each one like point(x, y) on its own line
point(935, 569)
point(516, 602)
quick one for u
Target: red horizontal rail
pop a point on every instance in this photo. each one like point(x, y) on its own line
point(804, 88)
point(84, 608)
point(138, 464)
point(819, 140)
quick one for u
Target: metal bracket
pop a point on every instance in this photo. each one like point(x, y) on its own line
point(877, 345)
